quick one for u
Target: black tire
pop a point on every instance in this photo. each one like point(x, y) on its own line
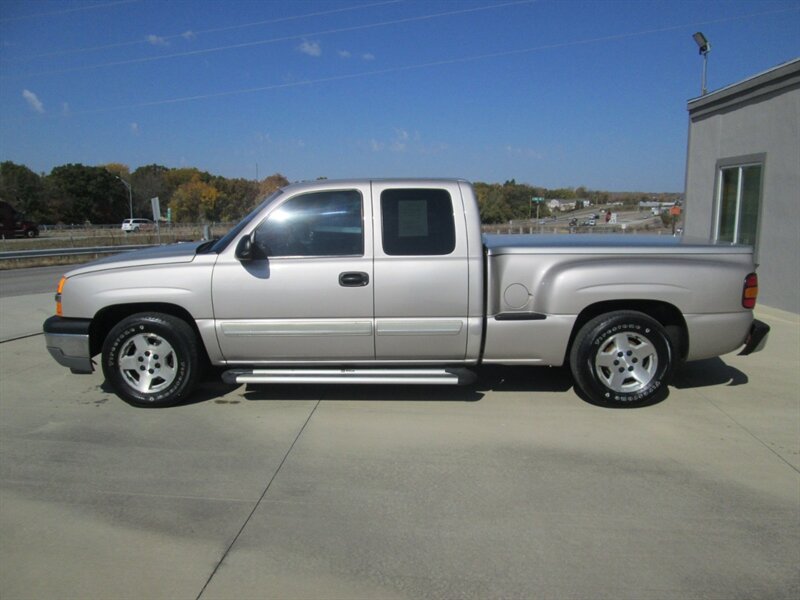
point(151, 360)
point(622, 359)
point(31, 233)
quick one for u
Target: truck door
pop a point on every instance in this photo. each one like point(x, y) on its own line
point(309, 298)
point(421, 272)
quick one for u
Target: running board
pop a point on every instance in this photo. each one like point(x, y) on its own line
point(449, 376)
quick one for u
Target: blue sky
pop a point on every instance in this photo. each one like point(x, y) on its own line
point(552, 93)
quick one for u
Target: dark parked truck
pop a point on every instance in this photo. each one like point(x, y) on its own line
point(391, 281)
point(14, 224)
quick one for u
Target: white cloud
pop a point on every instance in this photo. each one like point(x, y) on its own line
point(188, 35)
point(33, 101)
point(524, 152)
point(345, 53)
point(405, 141)
point(134, 128)
point(157, 40)
point(401, 139)
point(310, 48)
point(65, 109)
point(368, 56)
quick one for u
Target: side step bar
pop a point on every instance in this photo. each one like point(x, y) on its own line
point(439, 376)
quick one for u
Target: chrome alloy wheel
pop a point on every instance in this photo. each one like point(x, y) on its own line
point(626, 362)
point(148, 363)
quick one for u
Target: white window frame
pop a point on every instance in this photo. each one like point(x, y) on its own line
point(739, 164)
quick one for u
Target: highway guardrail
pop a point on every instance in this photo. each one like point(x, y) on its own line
point(51, 252)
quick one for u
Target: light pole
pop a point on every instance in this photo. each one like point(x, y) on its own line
point(130, 193)
point(705, 47)
point(538, 200)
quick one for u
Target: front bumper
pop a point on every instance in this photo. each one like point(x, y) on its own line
point(756, 339)
point(67, 340)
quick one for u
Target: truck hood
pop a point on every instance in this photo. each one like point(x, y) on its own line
point(158, 255)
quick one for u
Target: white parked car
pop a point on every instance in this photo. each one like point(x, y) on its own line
point(135, 225)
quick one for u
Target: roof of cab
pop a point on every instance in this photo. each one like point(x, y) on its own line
point(344, 183)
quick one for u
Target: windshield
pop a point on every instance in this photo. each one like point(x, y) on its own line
point(223, 242)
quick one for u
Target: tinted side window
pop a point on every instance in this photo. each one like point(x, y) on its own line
point(316, 224)
point(417, 222)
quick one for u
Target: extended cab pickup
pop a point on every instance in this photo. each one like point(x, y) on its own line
point(391, 281)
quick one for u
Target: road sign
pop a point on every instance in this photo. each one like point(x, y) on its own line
point(156, 209)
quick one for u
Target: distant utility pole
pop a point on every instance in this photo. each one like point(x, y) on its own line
point(705, 47)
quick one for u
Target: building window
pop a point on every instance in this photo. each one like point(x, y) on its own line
point(738, 202)
point(417, 222)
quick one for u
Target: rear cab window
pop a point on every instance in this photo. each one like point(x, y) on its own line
point(417, 222)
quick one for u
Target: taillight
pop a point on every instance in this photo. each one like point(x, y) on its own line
point(750, 291)
point(59, 310)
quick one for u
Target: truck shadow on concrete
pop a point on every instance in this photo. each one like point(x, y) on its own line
point(708, 372)
point(496, 379)
point(697, 374)
point(362, 393)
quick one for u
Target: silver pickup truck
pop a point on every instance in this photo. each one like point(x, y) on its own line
point(391, 281)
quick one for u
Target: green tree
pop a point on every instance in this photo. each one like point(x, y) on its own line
point(512, 200)
point(237, 197)
point(493, 204)
point(79, 194)
point(150, 182)
point(24, 190)
point(561, 194)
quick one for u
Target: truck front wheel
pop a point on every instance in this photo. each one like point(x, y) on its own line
point(622, 359)
point(151, 359)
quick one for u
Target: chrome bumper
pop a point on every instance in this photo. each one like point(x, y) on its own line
point(67, 340)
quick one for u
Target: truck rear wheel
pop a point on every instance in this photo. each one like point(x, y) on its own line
point(151, 359)
point(622, 359)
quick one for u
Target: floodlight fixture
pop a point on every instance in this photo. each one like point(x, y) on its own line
point(702, 43)
point(705, 47)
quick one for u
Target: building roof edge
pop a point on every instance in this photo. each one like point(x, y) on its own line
point(783, 70)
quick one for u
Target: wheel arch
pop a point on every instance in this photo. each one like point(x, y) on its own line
point(108, 317)
point(668, 315)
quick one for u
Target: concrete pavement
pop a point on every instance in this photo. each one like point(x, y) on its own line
point(22, 316)
point(511, 488)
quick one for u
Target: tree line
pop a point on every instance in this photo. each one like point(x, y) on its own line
point(77, 194)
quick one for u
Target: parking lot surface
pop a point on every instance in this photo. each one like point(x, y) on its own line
point(514, 487)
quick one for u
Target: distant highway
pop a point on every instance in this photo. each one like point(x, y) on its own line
point(37, 280)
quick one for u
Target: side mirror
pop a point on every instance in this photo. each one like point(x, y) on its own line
point(246, 249)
